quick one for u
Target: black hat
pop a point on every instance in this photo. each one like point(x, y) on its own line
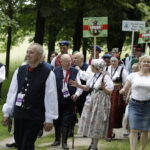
point(62, 43)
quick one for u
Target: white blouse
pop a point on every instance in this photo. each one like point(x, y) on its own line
point(140, 86)
point(85, 75)
point(96, 80)
point(115, 73)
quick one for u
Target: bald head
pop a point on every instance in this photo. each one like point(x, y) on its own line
point(65, 57)
point(65, 61)
point(78, 59)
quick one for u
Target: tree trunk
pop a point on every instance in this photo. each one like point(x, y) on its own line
point(85, 47)
point(52, 32)
point(111, 43)
point(40, 24)
point(9, 38)
point(115, 38)
point(77, 37)
point(8, 50)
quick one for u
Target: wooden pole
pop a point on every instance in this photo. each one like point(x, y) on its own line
point(94, 47)
point(132, 42)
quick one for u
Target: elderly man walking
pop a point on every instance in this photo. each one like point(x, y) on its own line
point(32, 99)
point(66, 97)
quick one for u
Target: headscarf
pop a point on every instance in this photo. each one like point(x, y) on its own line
point(99, 64)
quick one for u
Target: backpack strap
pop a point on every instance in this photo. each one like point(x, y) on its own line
point(121, 74)
point(107, 68)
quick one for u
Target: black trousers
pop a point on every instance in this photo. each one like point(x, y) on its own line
point(66, 113)
point(25, 133)
point(67, 117)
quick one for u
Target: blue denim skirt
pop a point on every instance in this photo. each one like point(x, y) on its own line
point(139, 115)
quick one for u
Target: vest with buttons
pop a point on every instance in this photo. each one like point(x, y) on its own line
point(59, 80)
point(35, 91)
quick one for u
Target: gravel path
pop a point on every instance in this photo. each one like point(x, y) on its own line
point(79, 141)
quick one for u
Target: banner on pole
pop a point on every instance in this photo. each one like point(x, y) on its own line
point(144, 36)
point(95, 26)
point(128, 25)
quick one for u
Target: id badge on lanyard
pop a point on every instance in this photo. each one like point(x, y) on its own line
point(20, 100)
point(65, 90)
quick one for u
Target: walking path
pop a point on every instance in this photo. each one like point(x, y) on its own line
point(79, 141)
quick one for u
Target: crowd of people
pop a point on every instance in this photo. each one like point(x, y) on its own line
point(101, 90)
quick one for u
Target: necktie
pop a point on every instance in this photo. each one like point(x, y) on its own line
point(67, 76)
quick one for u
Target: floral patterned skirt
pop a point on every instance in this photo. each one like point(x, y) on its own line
point(95, 115)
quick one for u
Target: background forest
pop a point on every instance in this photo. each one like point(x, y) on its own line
point(48, 21)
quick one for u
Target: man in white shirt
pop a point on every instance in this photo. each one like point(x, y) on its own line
point(2, 75)
point(32, 99)
point(66, 97)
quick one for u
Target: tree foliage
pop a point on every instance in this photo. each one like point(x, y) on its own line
point(63, 21)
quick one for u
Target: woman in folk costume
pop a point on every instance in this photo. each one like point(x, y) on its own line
point(95, 115)
point(118, 74)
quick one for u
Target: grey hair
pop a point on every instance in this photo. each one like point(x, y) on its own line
point(38, 47)
point(115, 50)
point(80, 54)
point(114, 58)
point(99, 64)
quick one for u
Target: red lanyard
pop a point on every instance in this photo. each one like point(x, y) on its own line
point(67, 76)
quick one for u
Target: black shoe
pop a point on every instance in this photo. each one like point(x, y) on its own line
point(108, 139)
point(65, 131)
point(113, 135)
point(84, 136)
point(40, 133)
point(65, 146)
point(139, 136)
point(11, 145)
point(125, 134)
point(56, 143)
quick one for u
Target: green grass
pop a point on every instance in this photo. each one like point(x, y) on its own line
point(44, 144)
point(3, 130)
point(16, 58)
